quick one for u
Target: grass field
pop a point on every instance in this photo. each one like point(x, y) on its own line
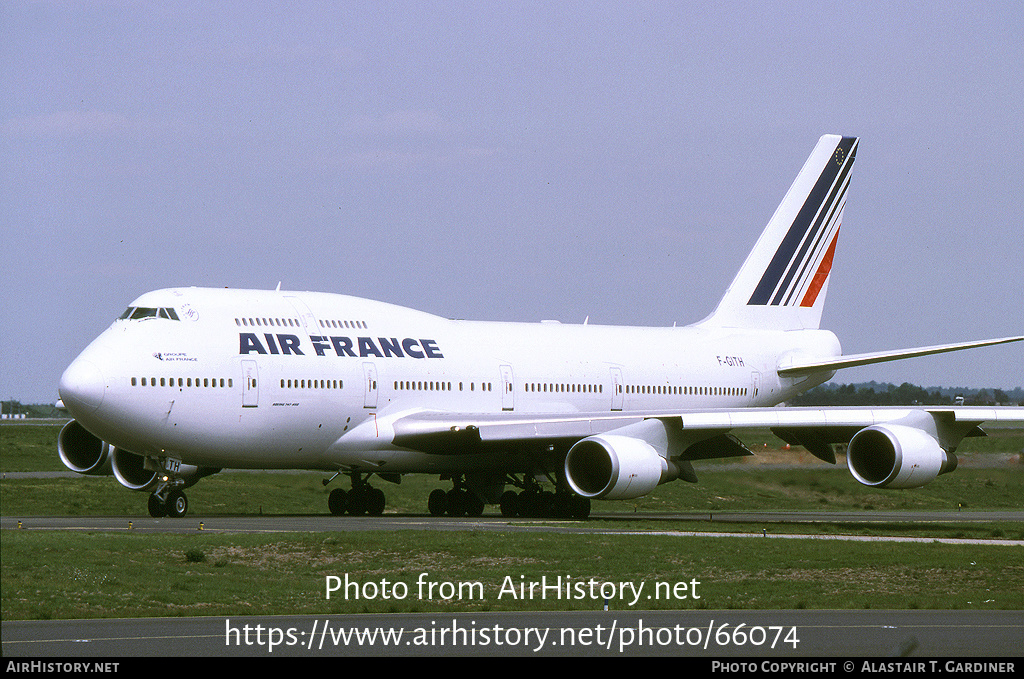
point(68, 574)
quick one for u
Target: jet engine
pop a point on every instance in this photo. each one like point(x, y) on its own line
point(615, 467)
point(82, 452)
point(86, 454)
point(897, 456)
point(130, 471)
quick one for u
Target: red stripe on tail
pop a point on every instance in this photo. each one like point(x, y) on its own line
point(821, 275)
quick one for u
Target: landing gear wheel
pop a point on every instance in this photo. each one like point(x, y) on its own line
point(337, 501)
point(508, 503)
point(437, 502)
point(528, 503)
point(456, 505)
point(375, 501)
point(157, 507)
point(362, 499)
point(177, 504)
point(560, 505)
point(357, 502)
point(579, 507)
point(474, 505)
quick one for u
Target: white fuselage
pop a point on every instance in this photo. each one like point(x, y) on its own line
point(273, 379)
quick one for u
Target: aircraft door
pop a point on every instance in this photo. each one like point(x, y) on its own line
point(250, 384)
point(370, 385)
point(617, 389)
point(507, 388)
point(755, 384)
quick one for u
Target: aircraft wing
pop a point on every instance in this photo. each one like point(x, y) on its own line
point(618, 455)
point(795, 367)
point(455, 433)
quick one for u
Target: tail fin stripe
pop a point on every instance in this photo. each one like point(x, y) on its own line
point(822, 238)
point(821, 275)
point(810, 235)
point(836, 197)
point(783, 264)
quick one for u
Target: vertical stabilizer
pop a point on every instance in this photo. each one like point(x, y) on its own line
point(782, 284)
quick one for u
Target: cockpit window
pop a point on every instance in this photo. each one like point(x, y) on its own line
point(134, 313)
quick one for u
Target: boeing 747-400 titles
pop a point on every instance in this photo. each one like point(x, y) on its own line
point(189, 381)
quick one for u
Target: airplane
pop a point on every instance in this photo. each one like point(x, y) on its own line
point(189, 381)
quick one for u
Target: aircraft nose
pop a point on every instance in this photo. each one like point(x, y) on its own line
point(82, 387)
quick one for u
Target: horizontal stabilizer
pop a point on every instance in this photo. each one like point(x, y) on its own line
point(798, 368)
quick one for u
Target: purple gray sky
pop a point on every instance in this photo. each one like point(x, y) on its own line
point(508, 161)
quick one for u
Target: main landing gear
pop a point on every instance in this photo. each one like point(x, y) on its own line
point(459, 501)
point(362, 499)
point(562, 504)
point(534, 502)
point(531, 502)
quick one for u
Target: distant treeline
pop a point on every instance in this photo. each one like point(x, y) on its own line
point(885, 394)
point(30, 410)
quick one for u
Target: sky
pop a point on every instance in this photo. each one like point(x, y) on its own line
point(508, 161)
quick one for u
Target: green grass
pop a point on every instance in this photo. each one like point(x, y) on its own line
point(29, 448)
point(75, 575)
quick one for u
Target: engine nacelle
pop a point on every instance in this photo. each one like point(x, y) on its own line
point(897, 456)
point(82, 452)
point(133, 472)
point(615, 467)
point(130, 471)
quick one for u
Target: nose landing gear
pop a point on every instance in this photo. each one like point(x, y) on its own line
point(168, 501)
